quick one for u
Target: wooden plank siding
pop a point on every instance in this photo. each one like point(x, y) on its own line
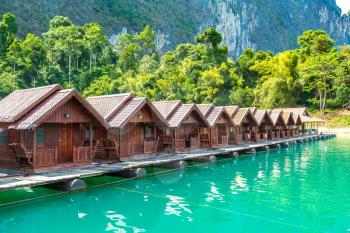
point(70, 112)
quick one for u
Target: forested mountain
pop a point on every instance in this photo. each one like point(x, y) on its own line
point(259, 24)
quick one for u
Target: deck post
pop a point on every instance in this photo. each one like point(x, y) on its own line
point(34, 148)
point(90, 138)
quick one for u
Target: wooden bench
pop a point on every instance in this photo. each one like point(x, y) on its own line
point(204, 140)
point(166, 141)
point(106, 148)
point(23, 156)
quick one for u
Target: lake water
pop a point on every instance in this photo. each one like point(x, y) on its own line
point(304, 188)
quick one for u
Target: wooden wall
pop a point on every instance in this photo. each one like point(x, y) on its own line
point(70, 112)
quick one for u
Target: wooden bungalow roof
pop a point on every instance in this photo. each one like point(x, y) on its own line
point(182, 112)
point(231, 110)
point(39, 113)
point(205, 108)
point(166, 108)
point(108, 105)
point(261, 114)
point(298, 110)
point(127, 111)
point(215, 114)
point(276, 116)
point(288, 118)
point(253, 109)
point(241, 114)
point(18, 103)
point(297, 119)
point(304, 115)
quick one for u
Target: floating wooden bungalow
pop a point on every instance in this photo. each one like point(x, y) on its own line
point(297, 128)
point(278, 124)
point(234, 136)
point(308, 124)
point(219, 121)
point(186, 125)
point(47, 127)
point(244, 122)
point(265, 124)
point(135, 124)
point(288, 124)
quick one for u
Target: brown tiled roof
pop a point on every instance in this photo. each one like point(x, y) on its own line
point(231, 110)
point(182, 112)
point(253, 109)
point(127, 111)
point(36, 115)
point(276, 115)
point(108, 105)
point(297, 119)
point(288, 118)
point(166, 108)
point(241, 114)
point(18, 103)
point(260, 115)
point(304, 115)
point(215, 113)
point(299, 110)
point(205, 108)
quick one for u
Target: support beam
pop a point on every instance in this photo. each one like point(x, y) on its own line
point(205, 159)
point(234, 154)
point(73, 185)
point(34, 149)
point(173, 165)
point(263, 148)
point(131, 173)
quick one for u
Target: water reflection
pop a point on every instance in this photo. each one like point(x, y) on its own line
point(118, 223)
point(214, 194)
point(238, 184)
point(276, 169)
point(176, 206)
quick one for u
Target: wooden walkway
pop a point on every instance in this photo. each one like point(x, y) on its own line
point(13, 181)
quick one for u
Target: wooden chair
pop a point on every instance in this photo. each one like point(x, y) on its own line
point(166, 141)
point(23, 156)
point(204, 140)
point(106, 148)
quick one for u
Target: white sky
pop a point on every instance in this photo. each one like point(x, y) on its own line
point(344, 5)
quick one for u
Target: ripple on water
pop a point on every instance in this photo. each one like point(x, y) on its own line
point(303, 188)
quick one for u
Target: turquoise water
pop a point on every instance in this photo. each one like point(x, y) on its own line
point(305, 188)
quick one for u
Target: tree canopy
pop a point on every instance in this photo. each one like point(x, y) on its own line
point(315, 74)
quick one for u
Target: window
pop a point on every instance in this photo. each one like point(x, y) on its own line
point(148, 132)
point(87, 134)
point(40, 136)
point(3, 137)
point(167, 132)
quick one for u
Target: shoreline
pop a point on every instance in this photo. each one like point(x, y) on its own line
point(340, 132)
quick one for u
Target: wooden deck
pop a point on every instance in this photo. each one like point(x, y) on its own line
point(11, 180)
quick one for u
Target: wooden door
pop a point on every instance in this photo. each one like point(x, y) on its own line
point(138, 138)
point(65, 143)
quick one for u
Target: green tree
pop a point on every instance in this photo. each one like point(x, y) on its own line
point(315, 42)
point(8, 83)
point(279, 79)
point(210, 37)
point(318, 73)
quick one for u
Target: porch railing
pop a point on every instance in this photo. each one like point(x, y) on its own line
point(46, 157)
point(126, 149)
point(224, 140)
point(194, 142)
point(179, 144)
point(214, 141)
point(148, 147)
point(81, 155)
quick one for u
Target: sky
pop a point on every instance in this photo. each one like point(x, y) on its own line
point(344, 5)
